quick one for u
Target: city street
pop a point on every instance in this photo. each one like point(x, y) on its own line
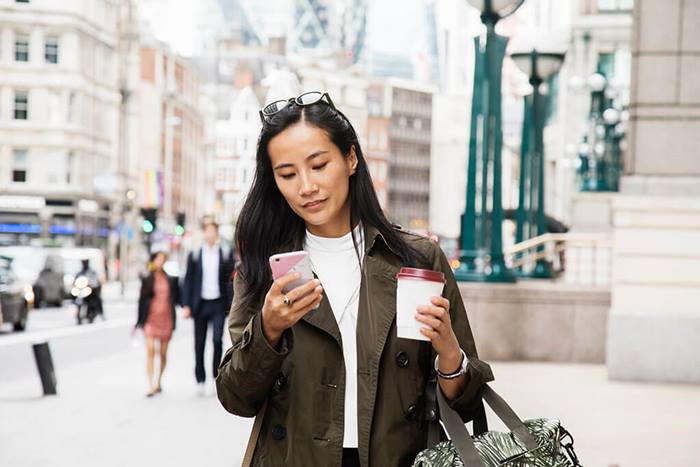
point(102, 417)
point(548, 148)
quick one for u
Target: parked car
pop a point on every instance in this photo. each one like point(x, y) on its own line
point(49, 288)
point(29, 262)
point(16, 296)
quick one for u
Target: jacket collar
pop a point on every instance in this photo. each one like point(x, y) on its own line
point(323, 317)
point(372, 234)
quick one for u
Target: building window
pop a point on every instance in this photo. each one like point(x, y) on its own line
point(51, 50)
point(19, 166)
point(21, 105)
point(72, 103)
point(615, 5)
point(382, 171)
point(69, 167)
point(21, 48)
point(606, 64)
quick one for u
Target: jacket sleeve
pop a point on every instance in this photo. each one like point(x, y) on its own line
point(249, 368)
point(177, 298)
point(478, 371)
point(186, 295)
point(143, 305)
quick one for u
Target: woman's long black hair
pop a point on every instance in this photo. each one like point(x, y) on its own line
point(267, 225)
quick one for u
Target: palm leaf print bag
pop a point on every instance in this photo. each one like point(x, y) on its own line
point(533, 443)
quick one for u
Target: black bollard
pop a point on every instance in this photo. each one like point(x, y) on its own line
point(44, 364)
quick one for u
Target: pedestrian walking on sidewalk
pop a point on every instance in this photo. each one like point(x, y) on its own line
point(159, 296)
point(207, 292)
point(321, 365)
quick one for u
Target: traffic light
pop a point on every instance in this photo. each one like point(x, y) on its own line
point(148, 225)
point(180, 223)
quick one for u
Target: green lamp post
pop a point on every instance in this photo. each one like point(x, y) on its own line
point(481, 239)
point(613, 135)
point(530, 215)
point(600, 164)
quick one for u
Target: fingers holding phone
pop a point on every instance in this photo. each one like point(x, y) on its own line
point(292, 295)
point(304, 298)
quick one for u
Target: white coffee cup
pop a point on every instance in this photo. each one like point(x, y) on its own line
point(415, 287)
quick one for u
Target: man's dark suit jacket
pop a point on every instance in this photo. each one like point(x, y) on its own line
point(192, 285)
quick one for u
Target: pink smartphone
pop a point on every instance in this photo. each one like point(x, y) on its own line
point(295, 261)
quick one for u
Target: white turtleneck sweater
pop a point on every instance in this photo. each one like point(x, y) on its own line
point(335, 262)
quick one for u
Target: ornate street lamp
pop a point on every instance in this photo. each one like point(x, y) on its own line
point(600, 159)
point(481, 239)
point(539, 67)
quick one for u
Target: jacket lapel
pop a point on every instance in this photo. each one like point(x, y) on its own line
point(379, 277)
point(200, 265)
point(373, 324)
point(376, 315)
point(323, 318)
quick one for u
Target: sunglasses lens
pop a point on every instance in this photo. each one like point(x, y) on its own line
point(275, 107)
point(309, 98)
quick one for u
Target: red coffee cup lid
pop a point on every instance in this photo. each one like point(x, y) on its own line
point(424, 274)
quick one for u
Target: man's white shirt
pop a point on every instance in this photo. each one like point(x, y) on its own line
point(210, 272)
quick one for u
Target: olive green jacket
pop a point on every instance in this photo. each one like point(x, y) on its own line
point(304, 379)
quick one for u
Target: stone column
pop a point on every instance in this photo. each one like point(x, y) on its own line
point(654, 324)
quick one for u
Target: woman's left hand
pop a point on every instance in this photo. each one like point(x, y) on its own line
point(442, 337)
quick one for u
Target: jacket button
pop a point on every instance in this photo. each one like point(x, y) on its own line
point(411, 413)
point(280, 382)
point(402, 359)
point(278, 432)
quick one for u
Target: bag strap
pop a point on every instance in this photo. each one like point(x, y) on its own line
point(460, 435)
point(254, 435)
point(431, 413)
point(479, 421)
point(509, 417)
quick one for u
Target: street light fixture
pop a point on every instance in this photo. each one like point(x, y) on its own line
point(596, 82)
point(481, 239)
point(601, 169)
point(499, 8)
point(539, 67)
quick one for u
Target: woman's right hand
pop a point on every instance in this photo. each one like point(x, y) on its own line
point(277, 316)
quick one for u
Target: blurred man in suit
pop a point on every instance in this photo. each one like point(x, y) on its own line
point(207, 292)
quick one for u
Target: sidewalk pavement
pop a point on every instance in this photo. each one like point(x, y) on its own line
point(620, 424)
point(112, 291)
point(102, 417)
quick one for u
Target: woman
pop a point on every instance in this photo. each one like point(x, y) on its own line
point(159, 295)
point(339, 387)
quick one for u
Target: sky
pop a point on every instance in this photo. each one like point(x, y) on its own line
point(183, 24)
point(186, 23)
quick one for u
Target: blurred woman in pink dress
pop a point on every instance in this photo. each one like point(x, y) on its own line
point(159, 295)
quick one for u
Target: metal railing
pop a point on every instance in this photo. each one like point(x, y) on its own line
point(579, 258)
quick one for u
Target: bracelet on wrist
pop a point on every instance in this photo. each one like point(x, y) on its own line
point(461, 370)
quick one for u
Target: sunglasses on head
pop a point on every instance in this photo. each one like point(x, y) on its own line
point(308, 98)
